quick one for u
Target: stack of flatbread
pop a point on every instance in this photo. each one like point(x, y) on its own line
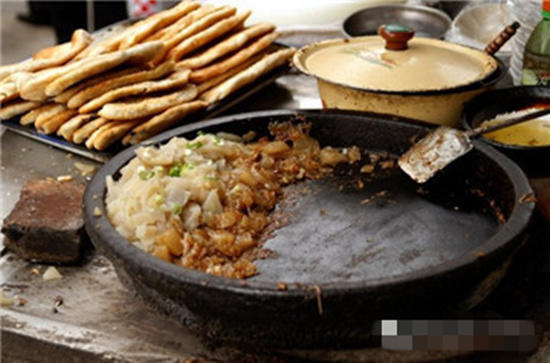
point(141, 80)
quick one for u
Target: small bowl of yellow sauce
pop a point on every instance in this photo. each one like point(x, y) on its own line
point(531, 133)
point(527, 143)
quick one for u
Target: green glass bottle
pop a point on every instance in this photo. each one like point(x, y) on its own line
point(536, 58)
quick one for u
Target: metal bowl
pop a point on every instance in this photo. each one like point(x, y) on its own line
point(486, 106)
point(425, 21)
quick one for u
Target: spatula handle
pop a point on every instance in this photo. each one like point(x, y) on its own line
point(510, 122)
point(502, 38)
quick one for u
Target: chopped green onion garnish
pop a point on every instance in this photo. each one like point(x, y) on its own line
point(175, 170)
point(211, 177)
point(188, 166)
point(159, 199)
point(159, 170)
point(146, 174)
point(194, 145)
point(177, 209)
point(201, 133)
point(218, 140)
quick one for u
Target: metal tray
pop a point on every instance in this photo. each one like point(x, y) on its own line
point(103, 156)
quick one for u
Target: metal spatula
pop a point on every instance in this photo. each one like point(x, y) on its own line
point(444, 145)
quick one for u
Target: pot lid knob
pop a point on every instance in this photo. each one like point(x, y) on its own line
point(396, 36)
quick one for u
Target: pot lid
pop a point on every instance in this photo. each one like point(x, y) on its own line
point(393, 63)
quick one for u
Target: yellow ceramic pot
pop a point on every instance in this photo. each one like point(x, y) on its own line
point(423, 78)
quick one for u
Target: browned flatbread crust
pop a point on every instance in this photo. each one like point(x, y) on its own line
point(90, 140)
point(215, 31)
point(242, 55)
point(247, 76)
point(16, 108)
point(10, 86)
point(31, 116)
point(155, 22)
point(188, 19)
point(138, 54)
point(47, 113)
point(232, 43)
point(34, 88)
point(108, 44)
point(212, 82)
point(161, 122)
point(109, 136)
point(66, 95)
point(101, 88)
point(175, 80)
point(147, 106)
point(52, 124)
point(200, 24)
point(68, 128)
point(51, 57)
point(81, 134)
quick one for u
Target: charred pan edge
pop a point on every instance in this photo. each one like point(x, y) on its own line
point(113, 244)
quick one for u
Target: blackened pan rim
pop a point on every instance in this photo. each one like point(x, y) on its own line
point(116, 247)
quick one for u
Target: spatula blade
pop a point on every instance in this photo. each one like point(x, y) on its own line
point(433, 152)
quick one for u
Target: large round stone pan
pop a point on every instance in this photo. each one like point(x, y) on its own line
point(347, 255)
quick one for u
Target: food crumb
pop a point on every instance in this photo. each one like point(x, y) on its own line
point(421, 191)
point(249, 136)
point(354, 154)
point(97, 212)
point(387, 164)
point(5, 301)
point(322, 211)
point(85, 169)
point(51, 273)
point(528, 198)
point(64, 178)
point(35, 271)
point(340, 187)
point(318, 293)
point(21, 301)
point(95, 196)
point(360, 184)
point(367, 169)
point(69, 156)
point(370, 240)
point(366, 201)
point(374, 158)
point(281, 286)
point(58, 300)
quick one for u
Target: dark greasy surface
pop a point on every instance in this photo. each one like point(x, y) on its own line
point(382, 230)
point(46, 223)
point(332, 312)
